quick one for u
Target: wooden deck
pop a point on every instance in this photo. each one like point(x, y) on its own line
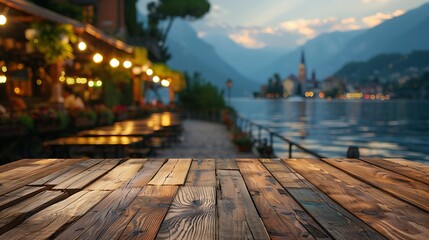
point(214, 199)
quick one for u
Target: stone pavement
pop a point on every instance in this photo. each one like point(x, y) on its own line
point(202, 139)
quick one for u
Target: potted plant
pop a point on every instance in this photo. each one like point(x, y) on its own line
point(243, 141)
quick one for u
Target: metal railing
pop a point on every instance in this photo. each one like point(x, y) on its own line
point(247, 125)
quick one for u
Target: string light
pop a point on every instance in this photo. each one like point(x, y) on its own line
point(3, 18)
point(165, 83)
point(82, 46)
point(98, 58)
point(149, 72)
point(156, 79)
point(114, 63)
point(127, 64)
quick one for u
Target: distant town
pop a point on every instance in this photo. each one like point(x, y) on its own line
point(380, 78)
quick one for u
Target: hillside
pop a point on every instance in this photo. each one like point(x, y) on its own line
point(329, 52)
point(386, 67)
point(190, 53)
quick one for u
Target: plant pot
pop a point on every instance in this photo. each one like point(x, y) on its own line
point(244, 148)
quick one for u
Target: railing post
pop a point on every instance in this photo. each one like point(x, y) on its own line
point(271, 139)
point(259, 134)
point(290, 150)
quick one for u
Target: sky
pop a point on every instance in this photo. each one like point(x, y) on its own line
point(290, 23)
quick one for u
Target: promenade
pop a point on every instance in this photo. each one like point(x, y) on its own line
point(202, 139)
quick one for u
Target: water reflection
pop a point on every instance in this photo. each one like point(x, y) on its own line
point(381, 129)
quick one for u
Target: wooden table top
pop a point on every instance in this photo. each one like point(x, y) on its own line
point(94, 141)
point(214, 199)
point(134, 132)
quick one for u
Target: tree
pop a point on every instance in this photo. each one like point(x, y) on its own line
point(171, 9)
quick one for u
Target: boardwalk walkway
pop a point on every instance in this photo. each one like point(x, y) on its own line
point(202, 139)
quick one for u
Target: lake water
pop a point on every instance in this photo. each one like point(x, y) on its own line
point(394, 129)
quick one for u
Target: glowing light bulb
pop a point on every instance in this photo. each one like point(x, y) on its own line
point(165, 83)
point(82, 46)
point(127, 64)
point(98, 58)
point(114, 63)
point(149, 72)
point(3, 19)
point(156, 79)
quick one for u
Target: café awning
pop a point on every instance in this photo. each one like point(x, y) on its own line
point(32, 12)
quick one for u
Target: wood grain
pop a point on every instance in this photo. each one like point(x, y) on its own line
point(202, 173)
point(88, 176)
point(238, 216)
point(173, 172)
point(337, 221)
point(118, 176)
point(412, 191)
point(282, 216)
point(99, 218)
point(416, 171)
point(14, 215)
point(18, 195)
point(67, 172)
point(226, 164)
point(145, 174)
point(143, 217)
point(26, 175)
point(192, 215)
point(50, 220)
point(388, 215)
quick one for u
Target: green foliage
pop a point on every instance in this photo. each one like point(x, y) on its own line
point(200, 95)
point(190, 9)
point(134, 28)
point(53, 41)
point(275, 86)
point(169, 10)
point(25, 120)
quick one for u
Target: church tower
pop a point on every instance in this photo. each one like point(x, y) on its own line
point(302, 75)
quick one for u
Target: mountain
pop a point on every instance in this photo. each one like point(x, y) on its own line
point(398, 35)
point(245, 60)
point(190, 53)
point(387, 67)
point(317, 51)
point(329, 52)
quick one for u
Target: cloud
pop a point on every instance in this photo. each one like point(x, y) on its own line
point(291, 33)
point(380, 17)
point(245, 38)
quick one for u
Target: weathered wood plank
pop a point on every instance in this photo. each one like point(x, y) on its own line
point(145, 174)
point(390, 216)
point(283, 174)
point(282, 216)
point(238, 217)
point(52, 165)
point(118, 176)
point(14, 215)
point(173, 172)
point(16, 164)
point(338, 222)
point(202, 173)
point(18, 195)
point(53, 219)
point(65, 173)
point(99, 218)
point(192, 215)
point(88, 176)
point(407, 189)
point(416, 171)
point(226, 164)
point(143, 218)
